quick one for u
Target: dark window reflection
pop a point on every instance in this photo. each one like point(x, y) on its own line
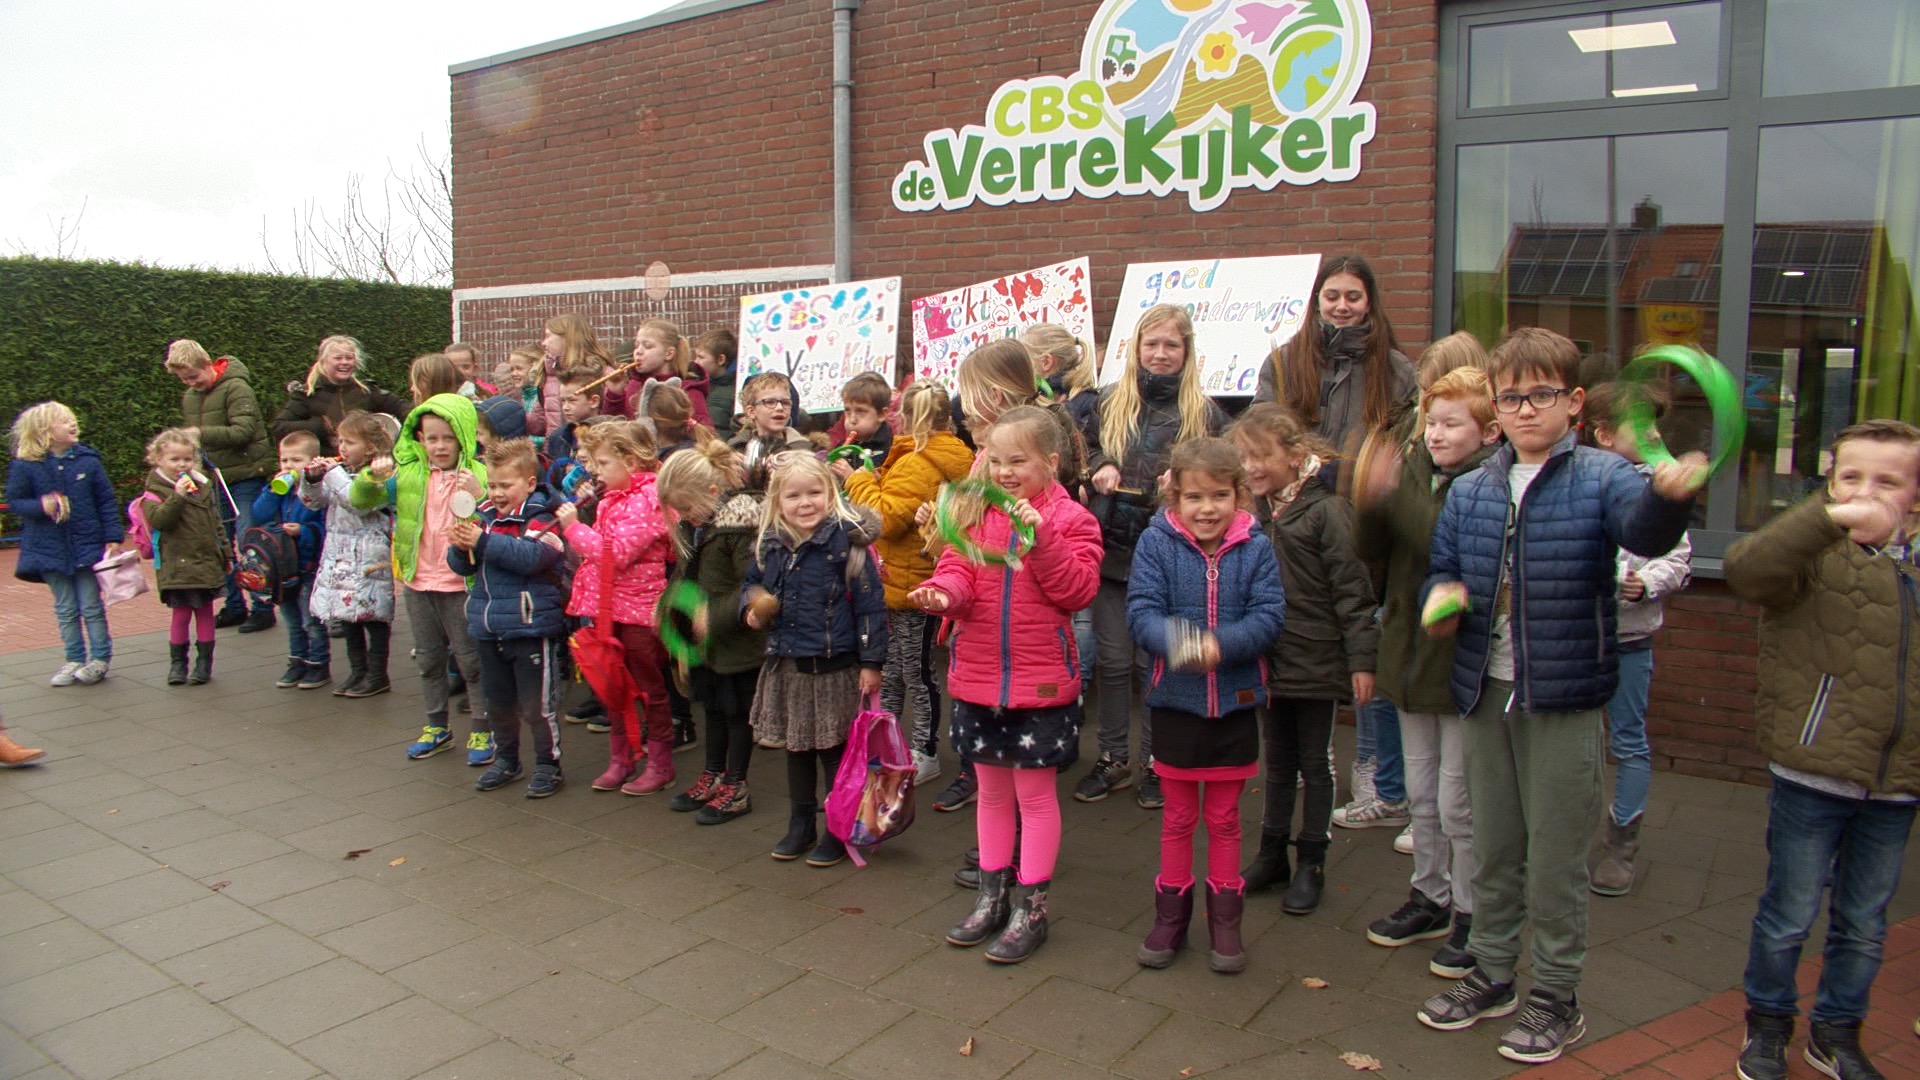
point(1617, 56)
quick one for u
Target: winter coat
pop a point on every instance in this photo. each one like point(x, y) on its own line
point(515, 567)
point(406, 489)
point(1330, 632)
point(93, 516)
point(271, 510)
point(632, 522)
point(1663, 575)
point(1413, 669)
point(319, 410)
point(1084, 406)
point(721, 551)
point(548, 416)
point(907, 480)
point(1125, 514)
point(232, 431)
point(562, 450)
point(831, 602)
point(1012, 645)
point(1234, 593)
point(354, 581)
point(630, 399)
point(720, 402)
point(1582, 504)
point(1343, 381)
point(189, 538)
point(1839, 656)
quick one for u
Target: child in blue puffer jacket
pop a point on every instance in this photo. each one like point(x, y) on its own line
point(309, 653)
point(69, 519)
point(1204, 599)
point(516, 612)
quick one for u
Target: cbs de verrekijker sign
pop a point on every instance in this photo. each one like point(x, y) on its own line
point(1204, 97)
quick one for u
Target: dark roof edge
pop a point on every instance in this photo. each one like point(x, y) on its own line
point(688, 9)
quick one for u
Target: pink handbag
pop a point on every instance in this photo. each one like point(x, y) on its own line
point(121, 577)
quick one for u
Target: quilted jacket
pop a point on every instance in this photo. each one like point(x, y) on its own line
point(719, 554)
point(1235, 593)
point(1583, 504)
point(232, 431)
point(630, 525)
point(1330, 632)
point(320, 409)
point(407, 488)
point(515, 567)
point(1125, 514)
point(189, 539)
point(830, 599)
point(1839, 650)
point(1012, 643)
point(354, 581)
point(908, 479)
point(93, 519)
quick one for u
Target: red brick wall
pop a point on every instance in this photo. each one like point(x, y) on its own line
point(1700, 720)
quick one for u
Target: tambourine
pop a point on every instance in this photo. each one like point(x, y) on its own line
point(956, 537)
point(1722, 391)
point(463, 505)
point(686, 599)
point(1443, 606)
point(852, 450)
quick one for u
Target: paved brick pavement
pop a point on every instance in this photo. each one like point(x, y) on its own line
point(177, 900)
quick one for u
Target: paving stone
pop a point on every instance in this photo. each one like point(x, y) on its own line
point(50, 946)
point(49, 845)
point(77, 873)
point(158, 762)
point(757, 921)
point(20, 910)
point(527, 841)
point(238, 964)
point(474, 972)
point(175, 830)
point(349, 833)
point(400, 1040)
point(110, 1043)
point(96, 790)
point(1298, 1013)
point(401, 936)
point(1189, 1042)
point(1066, 1018)
point(295, 872)
point(545, 911)
point(664, 1042)
point(933, 1046)
point(135, 809)
point(1701, 955)
point(466, 820)
point(288, 816)
point(561, 1012)
point(714, 980)
point(76, 991)
point(17, 1056)
point(30, 817)
point(207, 777)
point(404, 800)
point(241, 1053)
point(309, 1002)
point(673, 891)
point(333, 905)
point(621, 945)
point(774, 1065)
point(217, 855)
point(815, 1019)
point(960, 984)
point(468, 885)
point(596, 865)
point(891, 899)
point(500, 1058)
point(49, 1072)
point(853, 949)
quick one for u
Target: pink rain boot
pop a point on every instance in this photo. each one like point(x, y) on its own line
point(658, 774)
point(619, 763)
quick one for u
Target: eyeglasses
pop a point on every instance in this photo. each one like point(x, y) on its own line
point(1541, 399)
point(771, 403)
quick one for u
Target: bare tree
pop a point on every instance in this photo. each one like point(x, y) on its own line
point(65, 237)
point(402, 233)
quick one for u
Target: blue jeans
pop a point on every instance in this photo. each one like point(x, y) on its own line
point(1627, 736)
point(244, 492)
point(1084, 644)
point(1377, 735)
point(306, 635)
point(76, 599)
point(1816, 842)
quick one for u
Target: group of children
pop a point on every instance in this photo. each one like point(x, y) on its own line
point(1520, 571)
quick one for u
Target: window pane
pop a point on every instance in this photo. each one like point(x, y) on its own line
point(1616, 56)
point(1832, 328)
point(1819, 46)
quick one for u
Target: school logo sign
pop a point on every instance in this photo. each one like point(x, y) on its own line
point(1204, 97)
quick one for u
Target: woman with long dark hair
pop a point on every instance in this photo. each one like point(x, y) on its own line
point(1343, 374)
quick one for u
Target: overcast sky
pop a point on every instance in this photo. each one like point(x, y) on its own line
point(180, 124)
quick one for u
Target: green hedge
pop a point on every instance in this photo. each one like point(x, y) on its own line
point(95, 335)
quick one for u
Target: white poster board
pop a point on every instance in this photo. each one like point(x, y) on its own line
point(820, 337)
point(949, 325)
point(1242, 310)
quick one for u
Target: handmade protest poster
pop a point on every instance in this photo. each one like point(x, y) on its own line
point(820, 337)
point(1242, 310)
point(949, 325)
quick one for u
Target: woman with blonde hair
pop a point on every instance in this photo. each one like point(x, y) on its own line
point(333, 389)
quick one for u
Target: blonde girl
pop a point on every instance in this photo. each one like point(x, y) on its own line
point(926, 456)
point(814, 588)
point(718, 525)
point(999, 376)
point(331, 390)
point(1156, 404)
point(520, 378)
point(353, 585)
point(629, 545)
point(662, 355)
point(433, 373)
point(1068, 366)
point(569, 345)
point(675, 423)
point(190, 552)
point(70, 520)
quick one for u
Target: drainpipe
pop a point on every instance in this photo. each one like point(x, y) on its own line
point(843, 138)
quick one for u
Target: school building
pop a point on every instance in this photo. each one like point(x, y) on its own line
point(1741, 175)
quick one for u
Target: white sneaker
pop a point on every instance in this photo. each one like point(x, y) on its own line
point(1404, 842)
point(68, 674)
point(1372, 814)
point(91, 672)
point(926, 768)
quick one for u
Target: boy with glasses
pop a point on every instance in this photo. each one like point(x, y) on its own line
point(767, 403)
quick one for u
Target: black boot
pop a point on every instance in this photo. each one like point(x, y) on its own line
point(801, 834)
point(1303, 894)
point(990, 912)
point(202, 663)
point(177, 665)
point(1269, 868)
point(828, 852)
point(1834, 1049)
point(375, 680)
point(1764, 1055)
point(1026, 926)
point(356, 664)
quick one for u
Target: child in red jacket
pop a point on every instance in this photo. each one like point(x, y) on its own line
point(1015, 679)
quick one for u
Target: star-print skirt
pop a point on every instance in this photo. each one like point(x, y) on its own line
point(1017, 738)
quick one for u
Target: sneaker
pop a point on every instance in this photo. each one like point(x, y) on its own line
point(958, 794)
point(317, 677)
point(1834, 1049)
point(1403, 843)
point(91, 672)
point(1417, 920)
point(1149, 796)
point(68, 674)
point(1452, 960)
point(372, 684)
point(599, 724)
point(432, 740)
point(547, 779)
point(696, 796)
point(229, 617)
point(257, 620)
point(290, 678)
point(1108, 775)
point(1476, 998)
point(684, 736)
point(730, 800)
point(480, 749)
point(585, 711)
point(1547, 1026)
point(1374, 813)
point(926, 768)
point(500, 775)
point(1763, 1055)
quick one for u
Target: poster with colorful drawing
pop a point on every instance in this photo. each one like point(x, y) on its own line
point(821, 336)
point(1242, 310)
point(949, 325)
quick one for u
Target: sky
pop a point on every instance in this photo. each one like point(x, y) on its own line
point(181, 125)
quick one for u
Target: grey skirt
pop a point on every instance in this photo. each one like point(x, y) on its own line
point(793, 710)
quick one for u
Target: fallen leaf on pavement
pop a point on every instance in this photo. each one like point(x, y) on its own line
point(1361, 1062)
point(218, 885)
point(356, 853)
point(1312, 983)
point(853, 911)
point(966, 1049)
point(112, 812)
point(398, 861)
point(1188, 1071)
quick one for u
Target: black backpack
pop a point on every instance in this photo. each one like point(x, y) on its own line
point(269, 564)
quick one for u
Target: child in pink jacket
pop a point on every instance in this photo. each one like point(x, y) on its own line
point(1015, 675)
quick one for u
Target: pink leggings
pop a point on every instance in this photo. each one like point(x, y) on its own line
point(202, 618)
point(1039, 820)
point(1182, 813)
